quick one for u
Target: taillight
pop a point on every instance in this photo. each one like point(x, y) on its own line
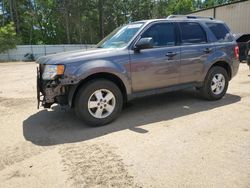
point(236, 52)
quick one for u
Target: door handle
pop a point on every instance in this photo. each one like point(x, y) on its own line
point(171, 54)
point(207, 50)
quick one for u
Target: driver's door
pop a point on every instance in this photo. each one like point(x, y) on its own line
point(157, 67)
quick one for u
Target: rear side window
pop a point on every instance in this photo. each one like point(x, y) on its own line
point(163, 34)
point(192, 33)
point(220, 31)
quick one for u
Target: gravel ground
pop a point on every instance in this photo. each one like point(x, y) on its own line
point(170, 140)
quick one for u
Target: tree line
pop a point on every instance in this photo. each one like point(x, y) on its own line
point(83, 21)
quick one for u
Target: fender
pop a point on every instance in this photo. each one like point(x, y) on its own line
point(217, 56)
point(100, 66)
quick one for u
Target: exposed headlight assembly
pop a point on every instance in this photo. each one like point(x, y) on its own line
point(51, 71)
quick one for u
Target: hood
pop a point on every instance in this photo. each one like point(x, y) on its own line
point(75, 56)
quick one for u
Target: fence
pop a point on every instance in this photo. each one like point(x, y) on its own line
point(29, 52)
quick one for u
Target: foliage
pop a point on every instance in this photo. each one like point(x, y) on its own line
point(85, 21)
point(8, 38)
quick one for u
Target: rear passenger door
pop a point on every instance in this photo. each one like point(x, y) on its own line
point(195, 51)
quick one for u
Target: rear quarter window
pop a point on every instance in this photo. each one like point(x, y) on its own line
point(220, 31)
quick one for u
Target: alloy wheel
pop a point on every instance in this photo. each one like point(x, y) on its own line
point(101, 103)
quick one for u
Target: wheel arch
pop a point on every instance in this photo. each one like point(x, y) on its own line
point(224, 65)
point(100, 75)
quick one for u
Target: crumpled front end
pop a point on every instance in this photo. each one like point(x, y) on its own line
point(50, 91)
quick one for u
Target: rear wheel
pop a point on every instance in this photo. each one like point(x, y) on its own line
point(215, 84)
point(98, 102)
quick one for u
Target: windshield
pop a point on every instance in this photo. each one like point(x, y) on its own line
point(120, 37)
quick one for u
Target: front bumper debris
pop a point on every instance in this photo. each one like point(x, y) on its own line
point(50, 92)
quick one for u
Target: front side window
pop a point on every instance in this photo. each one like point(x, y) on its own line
point(121, 36)
point(220, 31)
point(192, 33)
point(163, 34)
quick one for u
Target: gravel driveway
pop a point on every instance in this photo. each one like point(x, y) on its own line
point(169, 140)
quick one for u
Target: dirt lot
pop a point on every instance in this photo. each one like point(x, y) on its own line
point(170, 140)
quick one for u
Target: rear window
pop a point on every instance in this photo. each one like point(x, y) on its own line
point(220, 31)
point(192, 33)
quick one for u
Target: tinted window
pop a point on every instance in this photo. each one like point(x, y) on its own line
point(163, 34)
point(192, 33)
point(220, 32)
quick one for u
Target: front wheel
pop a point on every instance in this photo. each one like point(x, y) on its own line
point(215, 84)
point(98, 102)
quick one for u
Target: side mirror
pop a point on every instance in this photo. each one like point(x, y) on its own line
point(144, 43)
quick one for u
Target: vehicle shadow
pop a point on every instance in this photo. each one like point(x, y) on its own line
point(47, 128)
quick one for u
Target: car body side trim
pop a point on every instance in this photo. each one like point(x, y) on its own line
point(163, 90)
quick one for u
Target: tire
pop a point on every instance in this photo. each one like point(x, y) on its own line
point(215, 91)
point(98, 102)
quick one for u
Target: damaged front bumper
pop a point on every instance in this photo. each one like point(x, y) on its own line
point(50, 91)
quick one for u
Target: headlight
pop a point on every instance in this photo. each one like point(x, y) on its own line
point(51, 71)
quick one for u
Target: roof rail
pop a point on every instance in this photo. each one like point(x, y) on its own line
point(188, 17)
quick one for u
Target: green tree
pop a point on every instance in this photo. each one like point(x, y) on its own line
point(8, 37)
point(85, 21)
point(181, 6)
point(209, 3)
